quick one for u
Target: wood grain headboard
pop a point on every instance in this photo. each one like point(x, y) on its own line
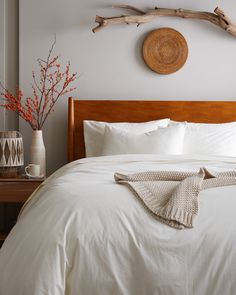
point(140, 111)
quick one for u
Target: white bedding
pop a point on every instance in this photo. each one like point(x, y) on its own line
point(82, 234)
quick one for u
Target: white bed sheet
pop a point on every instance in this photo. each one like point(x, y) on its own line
point(83, 234)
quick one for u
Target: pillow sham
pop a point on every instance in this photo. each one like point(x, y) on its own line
point(167, 140)
point(94, 132)
point(210, 139)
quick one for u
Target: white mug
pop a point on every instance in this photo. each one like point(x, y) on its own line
point(32, 170)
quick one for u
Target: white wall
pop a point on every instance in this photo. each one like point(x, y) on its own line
point(2, 54)
point(110, 62)
point(9, 56)
point(12, 55)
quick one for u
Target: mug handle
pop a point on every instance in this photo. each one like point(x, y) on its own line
point(26, 171)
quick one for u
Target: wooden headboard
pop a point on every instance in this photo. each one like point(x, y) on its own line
point(140, 111)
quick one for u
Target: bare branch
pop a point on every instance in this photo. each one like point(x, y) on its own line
point(218, 17)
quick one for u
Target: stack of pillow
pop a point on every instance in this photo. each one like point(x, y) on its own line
point(159, 137)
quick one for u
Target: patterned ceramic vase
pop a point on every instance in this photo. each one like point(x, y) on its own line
point(11, 153)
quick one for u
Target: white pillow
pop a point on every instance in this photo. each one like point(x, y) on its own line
point(94, 132)
point(210, 139)
point(167, 140)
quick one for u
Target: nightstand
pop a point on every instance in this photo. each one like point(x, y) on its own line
point(12, 191)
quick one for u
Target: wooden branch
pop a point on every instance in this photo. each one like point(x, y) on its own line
point(218, 18)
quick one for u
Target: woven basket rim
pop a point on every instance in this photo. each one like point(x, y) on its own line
point(18, 134)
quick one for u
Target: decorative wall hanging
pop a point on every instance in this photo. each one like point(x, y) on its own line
point(165, 51)
point(218, 18)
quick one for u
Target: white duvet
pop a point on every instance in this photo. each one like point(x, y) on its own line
point(83, 234)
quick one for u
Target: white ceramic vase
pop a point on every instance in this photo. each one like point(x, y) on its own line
point(37, 151)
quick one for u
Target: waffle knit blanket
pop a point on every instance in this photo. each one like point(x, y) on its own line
point(172, 196)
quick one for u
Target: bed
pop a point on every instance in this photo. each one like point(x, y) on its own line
point(85, 234)
point(140, 111)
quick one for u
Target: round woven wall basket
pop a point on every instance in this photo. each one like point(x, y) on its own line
point(165, 51)
point(11, 153)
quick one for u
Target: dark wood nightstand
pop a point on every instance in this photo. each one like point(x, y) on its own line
point(14, 190)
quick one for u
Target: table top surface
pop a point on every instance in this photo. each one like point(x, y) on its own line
point(22, 178)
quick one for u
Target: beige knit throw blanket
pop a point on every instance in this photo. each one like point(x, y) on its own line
point(172, 196)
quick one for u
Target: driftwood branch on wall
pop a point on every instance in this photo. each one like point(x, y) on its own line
point(218, 18)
